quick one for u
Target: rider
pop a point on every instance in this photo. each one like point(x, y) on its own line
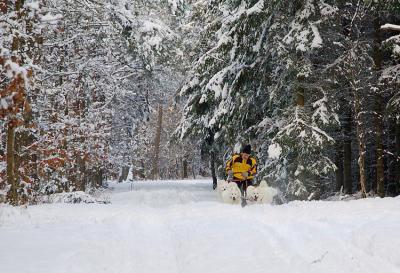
point(241, 168)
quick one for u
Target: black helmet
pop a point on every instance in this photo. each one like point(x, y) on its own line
point(247, 149)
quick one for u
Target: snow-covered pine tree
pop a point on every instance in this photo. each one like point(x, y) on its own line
point(303, 107)
point(246, 87)
point(223, 86)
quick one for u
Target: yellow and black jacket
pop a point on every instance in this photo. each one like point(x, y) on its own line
point(238, 165)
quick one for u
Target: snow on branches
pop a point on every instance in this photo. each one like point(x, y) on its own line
point(391, 27)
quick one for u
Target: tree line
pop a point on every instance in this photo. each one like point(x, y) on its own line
point(92, 91)
point(79, 80)
point(313, 85)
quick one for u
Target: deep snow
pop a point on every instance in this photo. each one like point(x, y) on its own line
point(180, 227)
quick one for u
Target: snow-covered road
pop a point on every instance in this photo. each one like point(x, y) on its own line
point(180, 227)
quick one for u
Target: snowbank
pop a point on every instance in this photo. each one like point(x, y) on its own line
point(74, 197)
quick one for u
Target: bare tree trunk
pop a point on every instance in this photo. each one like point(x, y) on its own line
point(124, 174)
point(361, 162)
point(361, 143)
point(184, 168)
point(11, 179)
point(18, 160)
point(193, 170)
point(143, 169)
point(339, 165)
point(12, 124)
point(176, 168)
point(314, 186)
point(181, 170)
point(397, 154)
point(81, 181)
point(380, 173)
point(212, 167)
point(97, 178)
point(3, 152)
point(347, 152)
point(157, 140)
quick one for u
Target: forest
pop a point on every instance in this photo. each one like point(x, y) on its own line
point(94, 91)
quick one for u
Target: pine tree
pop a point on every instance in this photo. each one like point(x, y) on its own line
point(239, 87)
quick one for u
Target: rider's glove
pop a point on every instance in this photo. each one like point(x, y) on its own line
point(230, 174)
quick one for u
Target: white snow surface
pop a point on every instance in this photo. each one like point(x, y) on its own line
point(180, 227)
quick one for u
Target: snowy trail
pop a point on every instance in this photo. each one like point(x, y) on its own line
point(180, 227)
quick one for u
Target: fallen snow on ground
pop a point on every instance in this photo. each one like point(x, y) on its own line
point(75, 197)
point(180, 227)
